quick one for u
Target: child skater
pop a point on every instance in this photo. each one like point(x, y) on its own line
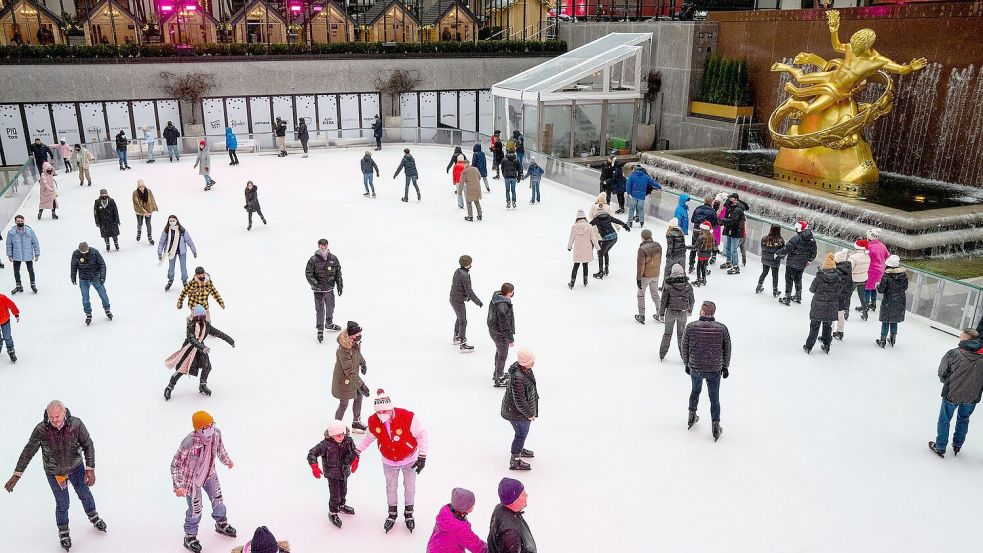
point(252, 204)
point(705, 248)
point(339, 460)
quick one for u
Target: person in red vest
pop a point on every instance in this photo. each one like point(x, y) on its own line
point(403, 445)
point(8, 308)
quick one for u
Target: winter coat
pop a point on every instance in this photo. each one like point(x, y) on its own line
point(121, 141)
point(191, 356)
point(800, 249)
point(64, 150)
point(521, 401)
point(461, 290)
point(41, 152)
point(675, 247)
point(498, 150)
point(860, 263)
point(22, 244)
point(346, 380)
point(961, 372)
point(184, 242)
point(501, 320)
point(368, 165)
point(252, 199)
point(204, 161)
point(677, 295)
point(769, 249)
point(878, 262)
point(509, 533)
point(703, 213)
point(583, 242)
point(617, 183)
point(471, 183)
point(608, 172)
point(191, 453)
point(82, 158)
point(706, 345)
point(336, 458)
point(844, 269)
point(734, 222)
point(197, 293)
point(479, 161)
point(605, 225)
point(717, 230)
point(639, 182)
point(825, 290)
point(682, 213)
point(519, 142)
point(7, 308)
point(149, 138)
point(892, 288)
point(456, 175)
point(48, 187)
point(409, 164)
point(88, 266)
point(62, 450)
point(171, 134)
point(377, 128)
point(511, 169)
point(302, 133)
point(107, 217)
point(455, 157)
point(452, 533)
point(140, 206)
point(648, 261)
point(324, 273)
point(534, 173)
point(280, 128)
point(230, 139)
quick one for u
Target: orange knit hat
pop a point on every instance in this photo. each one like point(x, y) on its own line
point(201, 419)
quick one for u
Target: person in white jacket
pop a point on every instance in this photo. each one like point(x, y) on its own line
point(150, 141)
point(860, 261)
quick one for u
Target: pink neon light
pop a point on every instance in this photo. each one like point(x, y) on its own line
point(295, 7)
point(166, 8)
point(191, 7)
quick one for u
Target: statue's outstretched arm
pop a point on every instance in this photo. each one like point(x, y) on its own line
point(833, 20)
point(903, 69)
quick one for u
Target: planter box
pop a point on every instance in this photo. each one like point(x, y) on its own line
point(720, 111)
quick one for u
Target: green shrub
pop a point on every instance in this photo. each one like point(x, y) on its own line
point(725, 81)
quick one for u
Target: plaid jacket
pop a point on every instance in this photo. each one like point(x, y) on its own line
point(189, 456)
point(198, 292)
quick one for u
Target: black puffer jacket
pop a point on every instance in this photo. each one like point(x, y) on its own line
point(280, 128)
point(62, 450)
point(845, 270)
point(605, 224)
point(302, 133)
point(703, 213)
point(800, 249)
point(768, 250)
point(608, 172)
point(735, 219)
point(675, 248)
point(409, 165)
point(508, 532)
point(677, 294)
point(252, 199)
point(892, 289)
point(121, 141)
point(336, 459)
point(323, 274)
point(521, 401)
point(706, 345)
point(501, 320)
point(961, 372)
point(107, 218)
point(88, 266)
point(461, 288)
point(171, 134)
point(458, 153)
point(510, 167)
point(825, 290)
point(368, 165)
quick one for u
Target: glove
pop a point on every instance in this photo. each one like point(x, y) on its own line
point(355, 464)
point(315, 470)
point(9, 486)
point(569, 249)
point(627, 228)
point(687, 369)
point(364, 368)
point(196, 256)
point(160, 258)
point(339, 291)
point(725, 373)
point(421, 462)
point(90, 477)
point(364, 390)
point(73, 282)
point(639, 283)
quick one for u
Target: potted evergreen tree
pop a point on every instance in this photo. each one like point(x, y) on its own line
point(725, 91)
point(398, 83)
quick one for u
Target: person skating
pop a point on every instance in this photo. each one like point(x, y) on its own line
point(204, 165)
point(613, 182)
point(733, 231)
point(637, 186)
point(194, 354)
point(845, 270)
point(704, 253)
point(770, 244)
point(511, 172)
point(303, 135)
point(457, 156)
point(144, 205)
point(519, 145)
point(459, 167)
point(480, 162)
point(452, 532)
point(252, 204)
point(860, 264)
point(323, 273)
point(508, 531)
point(377, 132)
point(22, 247)
point(338, 461)
point(520, 406)
point(826, 289)
point(408, 166)
point(69, 457)
point(498, 153)
point(471, 184)
point(89, 269)
point(367, 165)
point(582, 243)
point(8, 308)
point(706, 352)
point(702, 213)
point(675, 247)
point(231, 144)
point(501, 328)
point(878, 259)
point(48, 188)
point(150, 141)
point(535, 175)
point(82, 158)
point(675, 308)
point(122, 143)
point(609, 237)
point(175, 241)
point(41, 153)
point(171, 134)
point(461, 292)
point(197, 291)
point(681, 214)
point(648, 270)
point(346, 383)
point(106, 215)
point(720, 206)
point(280, 131)
point(801, 251)
point(892, 288)
point(65, 151)
point(961, 374)
point(193, 472)
point(403, 445)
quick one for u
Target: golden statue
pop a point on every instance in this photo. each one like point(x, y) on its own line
point(824, 145)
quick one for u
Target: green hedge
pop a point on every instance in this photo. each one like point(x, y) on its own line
point(725, 81)
point(103, 51)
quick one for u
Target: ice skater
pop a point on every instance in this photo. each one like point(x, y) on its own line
point(770, 244)
point(961, 373)
point(107, 218)
point(845, 270)
point(706, 354)
point(122, 143)
point(860, 265)
point(582, 243)
point(461, 292)
point(512, 173)
point(704, 253)
point(303, 135)
point(878, 259)
point(501, 328)
point(82, 158)
point(280, 131)
point(323, 273)
point(48, 189)
point(89, 269)
point(609, 237)
point(801, 251)
point(197, 292)
point(368, 165)
point(535, 175)
point(339, 460)
point(171, 134)
point(457, 156)
point(175, 241)
point(498, 153)
point(452, 532)
point(408, 165)
point(252, 204)
point(702, 213)
point(204, 165)
point(65, 151)
point(825, 288)
point(675, 308)
point(150, 141)
point(231, 144)
point(144, 205)
point(471, 191)
point(346, 383)
point(520, 406)
point(377, 132)
point(193, 355)
point(22, 247)
point(648, 274)
point(7, 309)
point(480, 162)
point(892, 289)
point(675, 247)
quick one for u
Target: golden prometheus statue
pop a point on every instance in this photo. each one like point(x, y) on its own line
point(825, 143)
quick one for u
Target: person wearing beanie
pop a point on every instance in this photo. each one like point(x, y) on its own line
point(461, 293)
point(703, 213)
point(860, 266)
point(263, 542)
point(252, 204)
point(845, 270)
point(512, 173)
point(8, 308)
point(83, 158)
point(892, 287)
point(878, 259)
point(770, 244)
point(609, 237)
point(582, 243)
point(89, 269)
point(733, 231)
point(599, 205)
point(403, 444)
point(704, 253)
point(122, 143)
point(720, 206)
point(638, 186)
point(508, 531)
point(800, 251)
point(459, 167)
point(280, 131)
point(107, 218)
point(346, 382)
point(193, 472)
point(675, 247)
point(408, 165)
point(452, 532)
point(706, 351)
point(65, 152)
point(69, 456)
point(198, 290)
point(368, 165)
point(48, 191)
point(826, 289)
point(193, 355)
point(613, 175)
point(338, 461)
point(471, 190)
point(520, 406)
point(961, 373)
point(648, 270)
point(204, 165)
point(501, 328)
point(144, 205)
point(676, 307)
point(323, 273)
point(535, 175)
point(377, 132)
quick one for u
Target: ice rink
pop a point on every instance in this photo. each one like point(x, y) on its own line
point(820, 452)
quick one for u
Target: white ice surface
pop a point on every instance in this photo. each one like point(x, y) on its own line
point(820, 453)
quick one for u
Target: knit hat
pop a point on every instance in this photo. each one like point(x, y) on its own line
point(721, 197)
point(674, 222)
point(526, 357)
point(735, 195)
point(461, 500)
point(198, 311)
point(801, 226)
point(464, 261)
point(600, 199)
point(263, 541)
point(353, 328)
point(829, 263)
point(509, 490)
point(581, 214)
point(873, 234)
point(201, 419)
point(841, 255)
point(382, 401)
point(677, 270)
point(199, 270)
point(646, 234)
point(201, 142)
point(103, 191)
point(62, 140)
point(335, 427)
point(706, 225)
point(861, 244)
point(893, 261)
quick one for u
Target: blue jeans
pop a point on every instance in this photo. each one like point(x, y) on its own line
point(172, 151)
point(510, 189)
point(485, 178)
point(870, 295)
point(184, 267)
point(8, 338)
point(534, 186)
point(150, 151)
point(193, 515)
point(77, 478)
point(521, 431)
point(406, 190)
point(713, 389)
point(962, 412)
point(521, 157)
point(121, 154)
point(885, 327)
point(367, 182)
point(208, 180)
point(636, 207)
point(730, 250)
point(460, 198)
point(84, 285)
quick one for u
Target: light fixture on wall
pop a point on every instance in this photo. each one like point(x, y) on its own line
point(190, 7)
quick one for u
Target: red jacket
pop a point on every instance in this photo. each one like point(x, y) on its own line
point(402, 443)
point(7, 306)
point(458, 169)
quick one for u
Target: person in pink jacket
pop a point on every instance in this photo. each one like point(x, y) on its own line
point(49, 190)
point(65, 151)
point(452, 532)
point(878, 257)
point(583, 241)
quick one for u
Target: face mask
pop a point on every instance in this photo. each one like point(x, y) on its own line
point(172, 223)
point(21, 224)
point(103, 198)
point(49, 171)
point(384, 417)
point(207, 432)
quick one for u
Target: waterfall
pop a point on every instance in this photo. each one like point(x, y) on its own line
point(951, 121)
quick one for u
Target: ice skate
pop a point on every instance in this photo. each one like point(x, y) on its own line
point(320, 335)
point(346, 510)
point(776, 293)
point(518, 464)
point(693, 419)
point(225, 529)
point(797, 298)
point(955, 450)
point(937, 451)
point(717, 431)
point(734, 271)
point(333, 517)
point(499, 382)
point(408, 518)
point(109, 315)
point(13, 356)
point(332, 327)
point(64, 538)
point(34, 288)
point(881, 342)
point(191, 543)
point(891, 339)
point(203, 389)
point(787, 300)
point(391, 519)
point(358, 427)
point(726, 265)
point(465, 348)
point(167, 392)
point(863, 315)
point(98, 523)
point(640, 318)
point(759, 289)
point(570, 284)
point(825, 347)
point(88, 319)
point(838, 335)
point(526, 454)
point(168, 285)
point(457, 341)
point(807, 349)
